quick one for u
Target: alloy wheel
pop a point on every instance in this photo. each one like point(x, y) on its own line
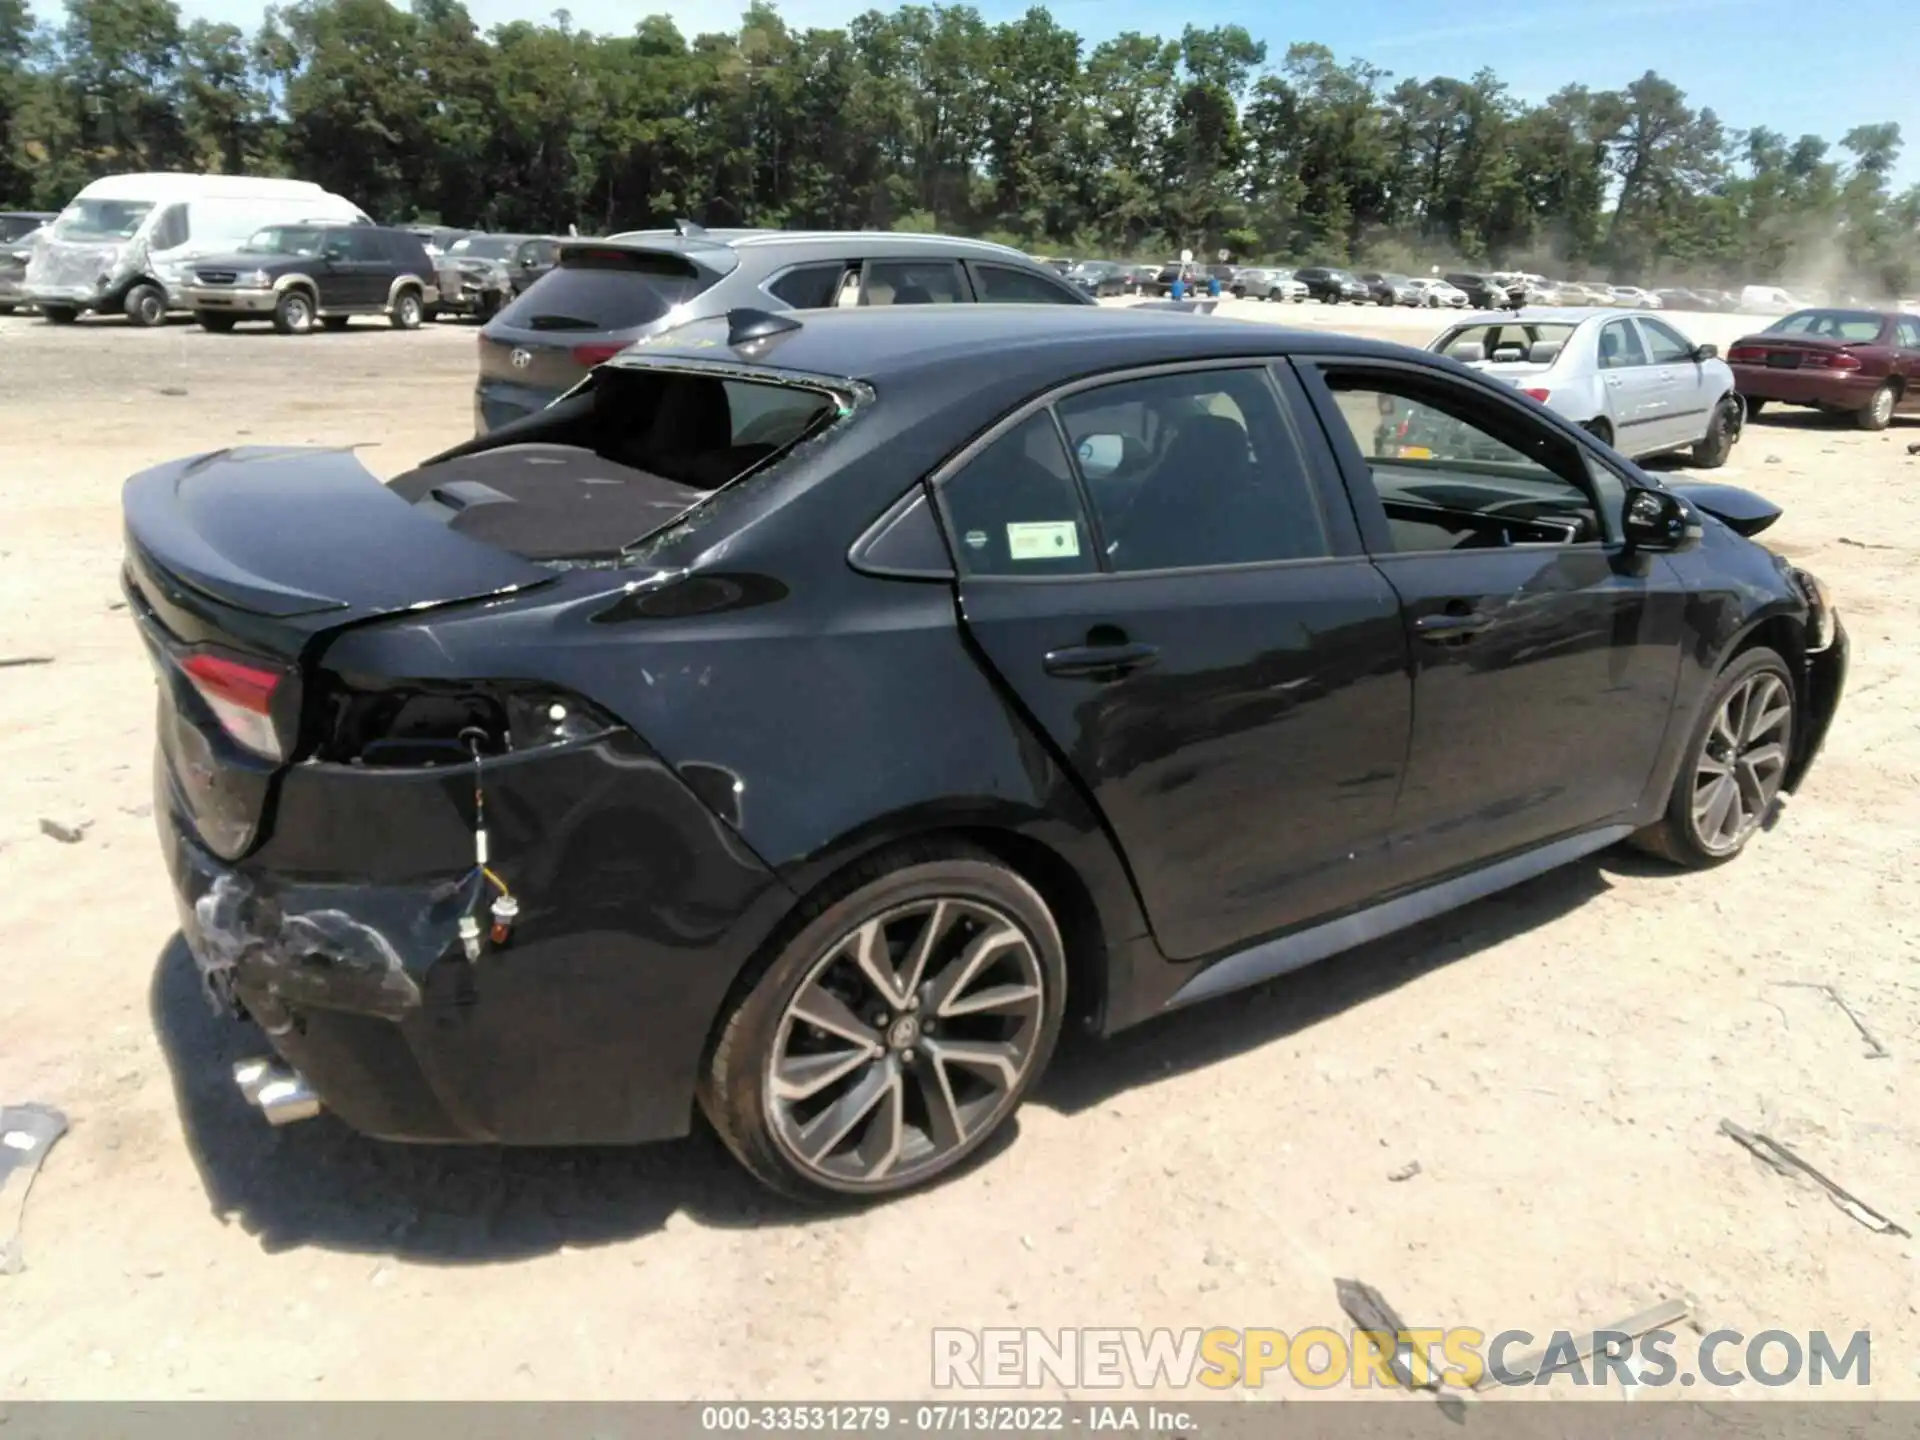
point(909, 1039)
point(1742, 762)
point(1882, 406)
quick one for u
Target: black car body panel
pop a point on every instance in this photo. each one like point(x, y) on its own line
point(793, 672)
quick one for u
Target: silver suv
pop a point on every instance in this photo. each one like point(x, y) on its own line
point(605, 294)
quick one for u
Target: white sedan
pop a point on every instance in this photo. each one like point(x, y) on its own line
point(1628, 377)
point(1437, 293)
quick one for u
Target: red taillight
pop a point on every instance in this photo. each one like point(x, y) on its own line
point(241, 697)
point(1840, 360)
point(589, 356)
point(1746, 355)
point(1540, 395)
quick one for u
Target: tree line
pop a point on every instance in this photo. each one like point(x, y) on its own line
point(929, 117)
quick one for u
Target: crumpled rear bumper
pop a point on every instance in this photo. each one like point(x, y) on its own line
point(338, 936)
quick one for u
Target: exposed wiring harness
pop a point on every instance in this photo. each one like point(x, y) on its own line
point(505, 908)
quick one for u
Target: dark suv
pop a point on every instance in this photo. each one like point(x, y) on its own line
point(1331, 285)
point(1482, 290)
point(293, 275)
point(606, 294)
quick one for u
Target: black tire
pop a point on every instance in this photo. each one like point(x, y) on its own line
point(1754, 407)
point(294, 313)
point(1878, 411)
point(217, 323)
point(146, 305)
point(407, 310)
point(736, 1090)
point(7, 309)
point(1678, 836)
point(336, 322)
point(1600, 428)
point(1711, 450)
point(59, 314)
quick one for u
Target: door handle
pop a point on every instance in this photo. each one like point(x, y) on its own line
point(1086, 662)
point(1441, 628)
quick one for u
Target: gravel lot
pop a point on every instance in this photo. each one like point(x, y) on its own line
point(1556, 1059)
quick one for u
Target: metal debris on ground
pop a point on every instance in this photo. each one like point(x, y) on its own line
point(65, 834)
point(27, 1132)
point(8, 662)
point(1875, 1050)
point(1607, 1337)
point(1369, 1310)
point(1405, 1172)
point(1770, 1150)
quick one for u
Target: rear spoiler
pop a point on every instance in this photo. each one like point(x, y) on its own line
point(669, 255)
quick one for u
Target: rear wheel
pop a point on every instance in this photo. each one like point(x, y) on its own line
point(1878, 413)
point(895, 1031)
point(146, 305)
point(407, 310)
point(1735, 763)
point(1711, 450)
point(218, 324)
point(293, 315)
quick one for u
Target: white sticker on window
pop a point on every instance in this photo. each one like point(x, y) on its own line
point(1043, 540)
point(977, 539)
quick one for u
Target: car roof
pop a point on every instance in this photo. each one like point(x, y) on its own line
point(1555, 314)
point(909, 241)
point(875, 342)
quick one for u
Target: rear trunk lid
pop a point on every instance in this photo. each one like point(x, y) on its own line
point(1790, 352)
point(237, 563)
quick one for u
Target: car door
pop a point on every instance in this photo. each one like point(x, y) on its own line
point(1545, 660)
point(1630, 388)
point(1906, 359)
point(1681, 385)
point(1160, 571)
point(356, 273)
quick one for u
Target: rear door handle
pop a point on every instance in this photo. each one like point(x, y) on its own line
point(1439, 628)
point(1083, 662)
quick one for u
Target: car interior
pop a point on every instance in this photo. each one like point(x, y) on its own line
point(1452, 475)
point(600, 470)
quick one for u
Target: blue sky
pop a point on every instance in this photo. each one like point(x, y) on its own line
point(1756, 62)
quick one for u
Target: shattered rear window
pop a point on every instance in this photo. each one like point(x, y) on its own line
point(619, 461)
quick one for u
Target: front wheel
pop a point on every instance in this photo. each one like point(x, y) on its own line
point(1734, 765)
point(146, 305)
point(1711, 450)
point(293, 315)
point(895, 1031)
point(1878, 413)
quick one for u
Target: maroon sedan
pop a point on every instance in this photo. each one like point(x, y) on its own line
point(1861, 362)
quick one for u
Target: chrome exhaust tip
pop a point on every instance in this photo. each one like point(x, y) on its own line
point(276, 1092)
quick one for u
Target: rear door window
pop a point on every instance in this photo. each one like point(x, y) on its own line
point(1620, 347)
point(913, 282)
point(1014, 509)
point(360, 244)
point(623, 294)
point(1004, 285)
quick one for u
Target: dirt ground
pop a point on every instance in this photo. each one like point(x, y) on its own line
point(1556, 1059)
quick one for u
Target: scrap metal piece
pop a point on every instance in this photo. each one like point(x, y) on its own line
point(1785, 1161)
point(1875, 1050)
point(27, 1132)
point(1530, 1365)
point(1369, 1310)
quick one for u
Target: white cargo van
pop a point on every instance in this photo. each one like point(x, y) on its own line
point(1766, 300)
point(124, 244)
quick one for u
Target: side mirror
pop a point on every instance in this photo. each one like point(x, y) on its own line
point(1659, 521)
point(1705, 352)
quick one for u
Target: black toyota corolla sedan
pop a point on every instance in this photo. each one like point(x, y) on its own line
point(811, 713)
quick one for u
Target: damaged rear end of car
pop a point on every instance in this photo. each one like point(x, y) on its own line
point(454, 885)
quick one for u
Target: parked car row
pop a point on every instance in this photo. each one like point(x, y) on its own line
point(17, 231)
